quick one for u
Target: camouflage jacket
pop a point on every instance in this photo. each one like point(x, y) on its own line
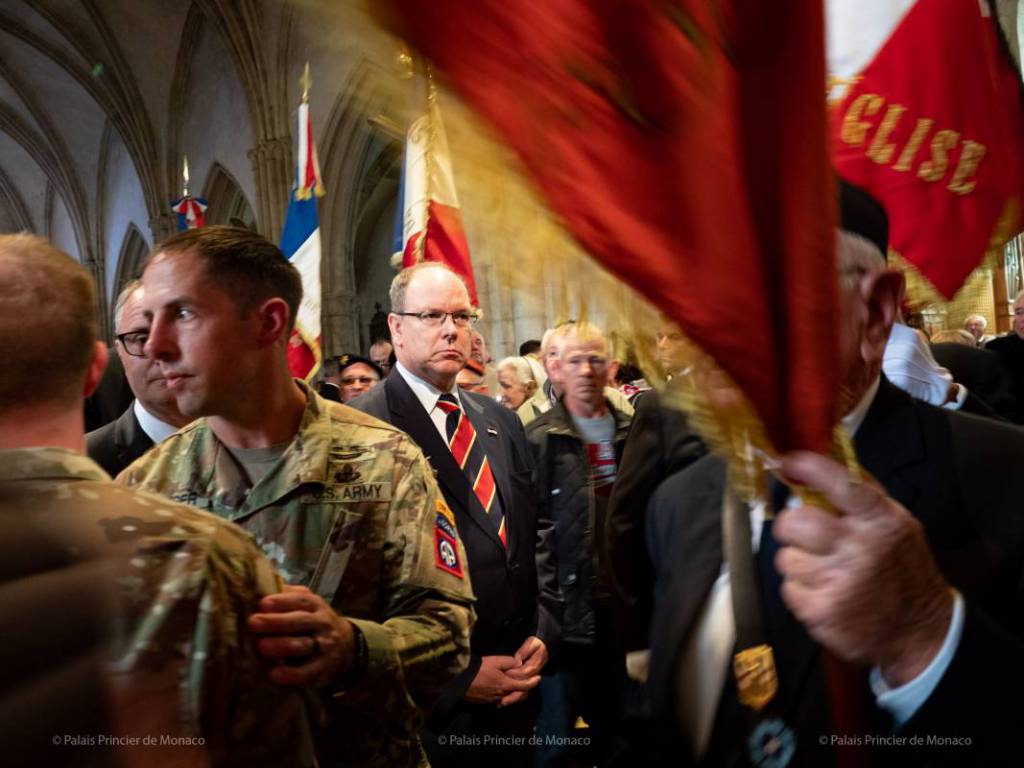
point(352, 511)
point(174, 588)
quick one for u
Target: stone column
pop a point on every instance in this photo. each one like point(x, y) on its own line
point(163, 225)
point(341, 319)
point(271, 165)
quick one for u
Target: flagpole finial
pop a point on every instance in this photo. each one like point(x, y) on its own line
point(184, 176)
point(306, 82)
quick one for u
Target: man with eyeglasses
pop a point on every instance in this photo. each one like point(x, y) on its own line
point(153, 416)
point(350, 376)
point(479, 452)
point(577, 446)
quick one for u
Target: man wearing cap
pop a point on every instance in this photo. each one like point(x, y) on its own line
point(354, 375)
point(907, 601)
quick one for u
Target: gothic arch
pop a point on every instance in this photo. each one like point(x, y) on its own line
point(130, 260)
point(226, 200)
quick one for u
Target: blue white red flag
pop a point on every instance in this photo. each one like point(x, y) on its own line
point(190, 212)
point(428, 207)
point(300, 242)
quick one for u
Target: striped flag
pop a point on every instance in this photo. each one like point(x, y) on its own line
point(300, 242)
point(190, 212)
point(189, 209)
point(428, 207)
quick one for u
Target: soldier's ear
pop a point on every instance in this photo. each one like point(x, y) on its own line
point(274, 317)
point(97, 364)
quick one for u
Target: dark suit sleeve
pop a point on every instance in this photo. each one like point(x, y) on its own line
point(100, 447)
point(971, 702)
point(975, 405)
point(659, 444)
point(549, 595)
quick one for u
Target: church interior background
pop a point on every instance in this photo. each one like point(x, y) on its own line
point(100, 100)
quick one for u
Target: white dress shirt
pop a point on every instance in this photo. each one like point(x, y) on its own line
point(156, 430)
point(428, 395)
point(707, 658)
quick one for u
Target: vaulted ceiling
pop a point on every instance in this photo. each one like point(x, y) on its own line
point(100, 100)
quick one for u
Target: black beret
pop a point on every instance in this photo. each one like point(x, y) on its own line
point(861, 214)
point(344, 361)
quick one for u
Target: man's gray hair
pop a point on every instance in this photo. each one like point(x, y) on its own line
point(122, 298)
point(554, 336)
point(401, 282)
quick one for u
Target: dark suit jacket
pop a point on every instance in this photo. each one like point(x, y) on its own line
point(659, 444)
point(984, 375)
point(516, 589)
point(956, 474)
point(111, 397)
point(119, 443)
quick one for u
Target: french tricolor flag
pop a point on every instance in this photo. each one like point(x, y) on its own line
point(428, 225)
point(190, 212)
point(300, 242)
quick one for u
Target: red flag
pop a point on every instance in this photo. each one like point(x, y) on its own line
point(931, 126)
point(684, 145)
point(429, 206)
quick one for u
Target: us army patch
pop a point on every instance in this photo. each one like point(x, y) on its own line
point(350, 492)
point(446, 551)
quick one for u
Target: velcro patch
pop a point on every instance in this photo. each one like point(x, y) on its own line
point(350, 492)
point(443, 510)
point(445, 525)
point(446, 552)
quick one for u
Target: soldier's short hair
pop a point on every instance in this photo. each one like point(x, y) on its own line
point(250, 268)
point(48, 323)
point(401, 282)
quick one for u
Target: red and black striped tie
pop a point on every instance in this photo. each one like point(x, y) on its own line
point(471, 457)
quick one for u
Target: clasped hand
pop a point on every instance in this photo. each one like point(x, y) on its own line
point(864, 584)
point(505, 680)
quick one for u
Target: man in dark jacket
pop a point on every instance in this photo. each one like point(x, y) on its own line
point(479, 453)
point(577, 446)
point(153, 415)
point(1010, 349)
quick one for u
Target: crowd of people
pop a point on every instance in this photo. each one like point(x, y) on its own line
point(427, 557)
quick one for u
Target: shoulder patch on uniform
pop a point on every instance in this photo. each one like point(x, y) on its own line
point(446, 549)
point(445, 511)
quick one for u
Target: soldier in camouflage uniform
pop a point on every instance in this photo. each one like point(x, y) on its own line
point(112, 594)
point(345, 505)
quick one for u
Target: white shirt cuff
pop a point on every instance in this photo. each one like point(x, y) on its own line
point(961, 398)
point(904, 701)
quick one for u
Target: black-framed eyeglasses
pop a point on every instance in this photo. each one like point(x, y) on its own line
point(134, 342)
point(434, 318)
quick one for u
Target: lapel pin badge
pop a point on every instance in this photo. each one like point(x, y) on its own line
point(492, 431)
